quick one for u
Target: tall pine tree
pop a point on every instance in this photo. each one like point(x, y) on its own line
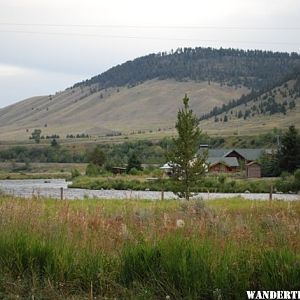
point(289, 151)
point(188, 166)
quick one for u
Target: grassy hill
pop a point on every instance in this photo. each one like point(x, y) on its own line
point(149, 106)
point(143, 95)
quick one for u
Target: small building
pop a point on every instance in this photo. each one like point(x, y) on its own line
point(223, 164)
point(253, 170)
point(118, 170)
point(167, 168)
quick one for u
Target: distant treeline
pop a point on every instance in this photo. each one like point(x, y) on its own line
point(77, 136)
point(254, 69)
point(41, 154)
point(148, 152)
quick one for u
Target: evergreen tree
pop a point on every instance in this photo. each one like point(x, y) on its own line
point(289, 151)
point(188, 167)
point(54, 143)
point(292, 105)
point(269, 165)
point(134, 162)
point(97, 157)
point(36, 135)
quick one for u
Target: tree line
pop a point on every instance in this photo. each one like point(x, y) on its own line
point(254, 69)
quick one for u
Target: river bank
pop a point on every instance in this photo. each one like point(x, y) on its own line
point(51, 188)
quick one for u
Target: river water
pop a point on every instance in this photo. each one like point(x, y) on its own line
point(52, 188)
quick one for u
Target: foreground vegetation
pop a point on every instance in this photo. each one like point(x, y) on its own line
point(147, 250)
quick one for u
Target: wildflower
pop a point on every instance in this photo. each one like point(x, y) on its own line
point(166, 219)
point(124, 231)
point(180, 223)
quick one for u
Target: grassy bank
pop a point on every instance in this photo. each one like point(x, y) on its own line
point(39, 170)
point(215, 183)
point(147, 250)
point(25, 175)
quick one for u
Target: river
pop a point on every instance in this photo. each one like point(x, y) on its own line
point(52, 188)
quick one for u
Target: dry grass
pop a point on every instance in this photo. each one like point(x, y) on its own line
point(154, 220)
point(150, 105)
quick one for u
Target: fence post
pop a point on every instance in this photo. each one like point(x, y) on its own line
point(162, 195)
point(61, 193)
point(271, 192)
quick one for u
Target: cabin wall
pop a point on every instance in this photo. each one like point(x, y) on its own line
point(253, 171)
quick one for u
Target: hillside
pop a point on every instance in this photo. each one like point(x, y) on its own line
point(277, 107)
point(144, 94)
point(149, 106)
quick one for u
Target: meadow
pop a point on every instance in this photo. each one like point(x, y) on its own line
point(95, 249)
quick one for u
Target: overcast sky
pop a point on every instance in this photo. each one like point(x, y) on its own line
point(48, 45)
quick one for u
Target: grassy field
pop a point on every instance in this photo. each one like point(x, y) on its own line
point(147, 250)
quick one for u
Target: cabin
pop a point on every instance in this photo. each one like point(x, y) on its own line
point(223, 165)
point(242, 155)
point(219, 159)
point(118, 170)
point(253, 170)
point(228, 161)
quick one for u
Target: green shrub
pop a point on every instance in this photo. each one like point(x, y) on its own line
point(222, 178)
point(284, 185)
point(133, 171)
point(284, 175)
point(93, 170)
point(297, 180)
point(75, 173)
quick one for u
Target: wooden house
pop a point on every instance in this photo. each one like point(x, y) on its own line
point(222, 165)
point(253, 170)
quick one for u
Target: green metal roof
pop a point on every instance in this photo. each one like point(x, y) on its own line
point(248, 154)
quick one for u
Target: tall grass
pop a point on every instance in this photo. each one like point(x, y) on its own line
point(203, 270)
point(62, 250)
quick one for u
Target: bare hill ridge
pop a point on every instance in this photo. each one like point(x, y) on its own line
point(147, 106)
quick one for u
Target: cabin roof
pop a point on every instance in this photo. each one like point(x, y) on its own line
point(248, 154)
point(228, 161)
